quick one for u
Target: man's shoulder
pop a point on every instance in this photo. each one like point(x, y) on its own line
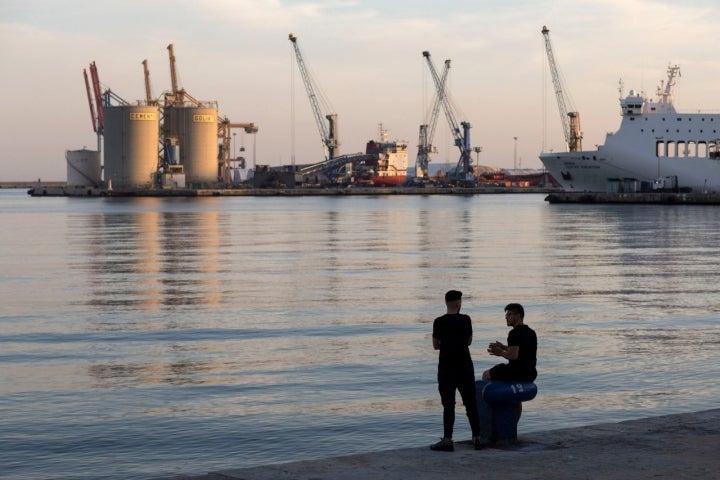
point(524, 330)
point(452, 317)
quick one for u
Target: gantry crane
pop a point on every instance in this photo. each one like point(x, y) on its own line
point(329, 132)
point(427, 131)
point(569, 116)
point(224, 128)
point(462, 137)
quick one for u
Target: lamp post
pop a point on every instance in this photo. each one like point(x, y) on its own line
point(254, 132)
point(234, 135)
point(477, 150)
point(515, 153)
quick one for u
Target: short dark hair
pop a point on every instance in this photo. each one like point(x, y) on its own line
point(452, 295)
point(515, 308)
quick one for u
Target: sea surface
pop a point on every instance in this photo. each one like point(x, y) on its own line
point(149, 337)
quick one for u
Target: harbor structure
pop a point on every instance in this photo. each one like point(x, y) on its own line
point(84, 167)
point(656, 148)
point(131, 145)
point(163, 142)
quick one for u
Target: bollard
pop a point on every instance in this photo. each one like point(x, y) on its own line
point(498, 408)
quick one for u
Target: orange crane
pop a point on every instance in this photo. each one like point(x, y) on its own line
point(148, 92)
point(178, 95)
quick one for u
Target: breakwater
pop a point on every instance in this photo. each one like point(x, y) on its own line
point(71, 191)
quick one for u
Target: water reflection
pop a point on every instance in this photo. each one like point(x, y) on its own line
point(149, 260)
point(645, 255)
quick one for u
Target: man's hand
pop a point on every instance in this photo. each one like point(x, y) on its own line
point(497, 349)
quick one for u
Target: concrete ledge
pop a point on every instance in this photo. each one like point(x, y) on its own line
point(660, 198)
point(70, 191)
point(665, 447)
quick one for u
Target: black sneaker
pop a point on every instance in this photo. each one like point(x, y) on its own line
point(444, 445)
point(478, 444)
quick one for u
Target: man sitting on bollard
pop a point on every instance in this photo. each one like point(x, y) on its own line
point(521, 351)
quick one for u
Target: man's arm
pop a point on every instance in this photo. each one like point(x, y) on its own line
point(436, 343)
point(508, 352)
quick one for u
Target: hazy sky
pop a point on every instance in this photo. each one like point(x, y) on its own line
point(365, 55)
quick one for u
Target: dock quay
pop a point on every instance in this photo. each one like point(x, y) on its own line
point(663, 198)
point(71, 191)
point(662, 447)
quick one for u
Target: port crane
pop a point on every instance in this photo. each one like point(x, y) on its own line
point(329, 132)
point(178, 95)
point(224, 130)
point(569, 116)
point(92, 101)
point(462, 137)
point(427, 131)
point(149, 100)
point(98, 100)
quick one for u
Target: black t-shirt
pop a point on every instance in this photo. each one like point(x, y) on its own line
point(524, 367)
point(453, 331)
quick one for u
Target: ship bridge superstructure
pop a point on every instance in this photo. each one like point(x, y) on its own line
point(636, 104)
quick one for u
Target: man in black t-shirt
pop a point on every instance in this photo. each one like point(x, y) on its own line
point(452, 335)
point(521, 350)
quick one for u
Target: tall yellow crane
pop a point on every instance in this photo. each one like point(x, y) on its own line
point(178, 95)
point(148, 91)
point(569, 116)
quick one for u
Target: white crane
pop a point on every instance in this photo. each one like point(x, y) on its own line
point(427, 130)
point(569, 116)
point(462, 137)
point(329, 132)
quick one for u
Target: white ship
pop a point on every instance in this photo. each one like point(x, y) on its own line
point(655, 148)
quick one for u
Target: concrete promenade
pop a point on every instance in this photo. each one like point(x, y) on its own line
point(664, 447)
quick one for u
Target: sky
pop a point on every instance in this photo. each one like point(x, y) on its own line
point(365, 56)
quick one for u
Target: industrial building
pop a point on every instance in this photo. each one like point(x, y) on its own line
point(170, 141)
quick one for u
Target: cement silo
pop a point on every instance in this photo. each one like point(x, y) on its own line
point(196, 131)
point(83, 168)
point(131, 145)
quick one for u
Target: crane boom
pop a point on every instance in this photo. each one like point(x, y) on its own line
point(173, 73)
point(98, 98)
point(462, 137)
point(569, 117)
point(427, 131)
point(148, 91)
point(90, 101)
point(328, 133)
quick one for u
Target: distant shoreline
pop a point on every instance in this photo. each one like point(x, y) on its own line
point(31, 184)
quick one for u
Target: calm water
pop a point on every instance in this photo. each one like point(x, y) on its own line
point(153, 337)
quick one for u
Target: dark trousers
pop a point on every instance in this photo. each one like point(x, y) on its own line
point(464, 382)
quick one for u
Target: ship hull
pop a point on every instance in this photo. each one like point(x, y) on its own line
point(655, 148)
point(388, 180)
point(596, 171)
